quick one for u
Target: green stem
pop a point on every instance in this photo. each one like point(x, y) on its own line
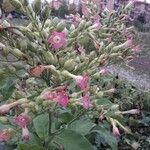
point(52, 136)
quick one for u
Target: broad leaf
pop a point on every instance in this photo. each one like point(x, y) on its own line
point(82, 126)
point(29, 147)
point(7, 89)
point(106, 135)
point(41, 124)
point(104, 102)
point(70, 140)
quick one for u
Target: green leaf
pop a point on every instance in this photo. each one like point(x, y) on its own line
point(7, 89)
point(82, 126)
point(29, 147)
point(71, 140)
point(103, 101)
point(41, 124)
point(106, 135)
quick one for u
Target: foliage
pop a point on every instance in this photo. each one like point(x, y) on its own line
point(64, 84)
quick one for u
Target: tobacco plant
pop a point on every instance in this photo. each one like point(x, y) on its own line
point(60, 92)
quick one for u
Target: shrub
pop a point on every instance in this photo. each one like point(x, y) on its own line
point(64, 99)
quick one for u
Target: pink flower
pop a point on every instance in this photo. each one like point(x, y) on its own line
point(6, 107)
point(81, 49)
point(57, 39)
point(86, 102)
point(56, 4)
point(49, 95)
point(132, 111)
point(22, 120)
point(97, 25)
point(136, 49)
point(97, 45)
point(25, 134)
point(115, 130)
point(128, 43)
point(96, 22)
point(82, 81)
point(58, 95)
point(86, 11)
point(97, 2)
point(37, 71)
point(5, 134)
point(104, 71)
point(62, 98)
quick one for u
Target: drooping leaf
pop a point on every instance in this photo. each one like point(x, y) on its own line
point(82, 126)
point(104, 102)
point(29, 147)
point(70, 140)
point(106, 135)
point(41, 124)
point(7, 89)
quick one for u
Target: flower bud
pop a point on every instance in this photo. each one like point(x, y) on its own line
point(37, 5)
point(70, 65)
point(25, 134)
point(100, 94)
point(2, 45)
point(22, 100)
point(18, 65)
point(6, 134)
point(61, 25)
point(132, 111)
point(55, 21)
point(115, 130)
point(5, 51)
point(49, 57)
point(12, 69)
point(25, 2)
point(81, 25)
point(109, 46)
point(19, 94)
point(4, 120)
point(23, 44)
point(16, 3)
point(45, 13)
point(18, 53)
point(5, 108)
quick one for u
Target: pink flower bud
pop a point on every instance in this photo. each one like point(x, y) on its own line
point(132, 111)
point(49, 95)
point(37, 71)
point(82, 81)
point(110, 91)
point(6, 107)
point(115, 130)
point(136, 49)
point(86, 102)
point(5, 134)
point(22, 120)
point(104, 71)
point(128, 43)
point(25, 134)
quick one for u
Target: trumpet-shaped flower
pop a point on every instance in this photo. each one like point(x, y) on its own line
point(57, 39)
point(25, 134)
point(5, 134)
point(86, 102)
point(82, 81)
point(37, 71)
point(22, 120)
